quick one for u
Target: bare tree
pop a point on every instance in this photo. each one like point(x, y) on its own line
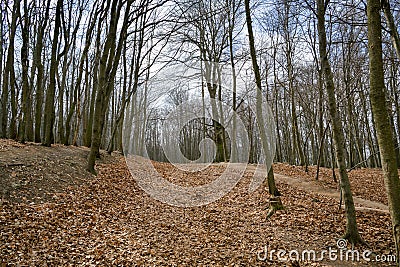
point(352, 233)
point(9, 78)
point(381, 117)
point(25, 131)
point(37, 63)
point(49, 115)
point(260, 120)
point(392, 26)
point(108, 66)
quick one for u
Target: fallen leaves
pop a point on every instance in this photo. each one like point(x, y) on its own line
point(108, 221)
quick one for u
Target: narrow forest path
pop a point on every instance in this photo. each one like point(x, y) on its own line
point(314, 187)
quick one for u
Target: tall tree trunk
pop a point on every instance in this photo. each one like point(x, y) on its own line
point(392, 26)
point(277, 107)
point(231, 24)
point(8, 76)
point(61, 135)
point(49, 109)
point(381, 117)
point(222, 120)
point(273, 190)
point(352, 233)
point(74, 92)
point(23, 124)
point(13, 95)
point(26, 123)
point(320, 151)
point(96, 64)
point(134, 73)
point(321, 133)
point(297, 149)
point(108, 67)
point(395, 97)
point(212, 86)
point(40, 75)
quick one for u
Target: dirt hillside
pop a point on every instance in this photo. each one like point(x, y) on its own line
point(33, 173)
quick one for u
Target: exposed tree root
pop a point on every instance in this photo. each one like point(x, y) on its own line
point(354, 239)
point(275, 204)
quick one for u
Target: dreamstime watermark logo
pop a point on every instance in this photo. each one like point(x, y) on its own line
point(152, 125)
point(338, 253)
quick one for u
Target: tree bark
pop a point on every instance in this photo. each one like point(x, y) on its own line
point(392, 26)
point(352, 233)
point(108, 68)
point(8, 77)
point(101, 96)
point(25, 125)
point(49, 114)
point(40, 75)
point(231, 6)
point(381, 117)
point(297, 149)
point(260, 120)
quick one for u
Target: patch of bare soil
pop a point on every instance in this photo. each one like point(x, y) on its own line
point(33, 173)
point(108, 220)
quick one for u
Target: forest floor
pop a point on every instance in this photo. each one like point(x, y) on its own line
point(54, 213)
